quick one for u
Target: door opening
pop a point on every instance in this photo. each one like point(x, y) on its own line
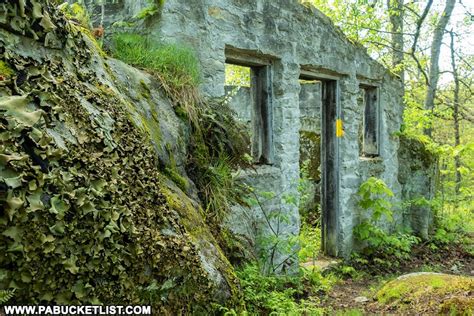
point(327, 104)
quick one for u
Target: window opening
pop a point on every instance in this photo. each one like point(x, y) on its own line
point(248, 91)
point(369, 129)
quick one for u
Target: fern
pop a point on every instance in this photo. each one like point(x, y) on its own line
point(6, 295)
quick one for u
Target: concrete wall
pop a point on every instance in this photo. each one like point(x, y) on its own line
point(417, 175)
point(293, 38)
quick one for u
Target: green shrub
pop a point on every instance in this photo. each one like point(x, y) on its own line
point(380, 246)
point(310, 242)
point(282, 295)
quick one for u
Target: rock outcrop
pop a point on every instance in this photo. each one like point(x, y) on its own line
point(86, 216)
point(425, 293)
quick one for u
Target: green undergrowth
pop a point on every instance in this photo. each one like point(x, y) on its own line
point(453, 226)
point(310, 242)
point(298, 294)
point(383, 251)
point(378, 245)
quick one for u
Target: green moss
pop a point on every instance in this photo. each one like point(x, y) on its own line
point(191, 215)
point(423, 290)
point(145, 90)
point(152, 128)
point(458, 306)
point(93, 41)
point(310, 153)
point(78, 12)
point(174, 175)
point(5, 70)
point(419, 148)
point(105, 89)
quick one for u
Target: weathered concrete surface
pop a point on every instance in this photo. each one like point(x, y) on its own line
point(417, 177)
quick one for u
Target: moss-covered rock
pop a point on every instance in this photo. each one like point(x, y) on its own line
point(86, 216)
point(417, 175)
point(5, 71)
point(429, 293)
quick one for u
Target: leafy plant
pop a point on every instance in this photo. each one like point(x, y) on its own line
point(378, 244)
point(6, 295)
point(282, 295)
point(454, 227)
point(154, 7)
point(310, 242)
point(278, 249)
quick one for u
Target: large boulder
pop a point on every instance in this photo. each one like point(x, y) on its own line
point(428, 294)
point(86, 215)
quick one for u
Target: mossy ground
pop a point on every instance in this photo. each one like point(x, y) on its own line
point(427, 292)
point(448, 295)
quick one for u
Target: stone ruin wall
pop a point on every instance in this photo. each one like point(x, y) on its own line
point(293, 38)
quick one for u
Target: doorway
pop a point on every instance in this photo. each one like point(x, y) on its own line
point(330, 129)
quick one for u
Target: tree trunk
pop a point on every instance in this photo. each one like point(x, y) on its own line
point(102, 13)
point(395, 11)
point(457, 140)
point(434, 63)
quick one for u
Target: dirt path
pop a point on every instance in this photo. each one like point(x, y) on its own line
point(358, 294)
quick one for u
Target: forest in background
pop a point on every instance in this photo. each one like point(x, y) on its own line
point(429, 45)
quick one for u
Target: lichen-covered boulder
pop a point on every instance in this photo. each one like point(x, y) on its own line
point(85, 214)
point(428, 294)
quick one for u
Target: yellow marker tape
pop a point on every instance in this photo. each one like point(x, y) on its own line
point(339, 129)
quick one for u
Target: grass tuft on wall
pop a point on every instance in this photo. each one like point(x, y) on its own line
point(176, 66)
point(217, 142)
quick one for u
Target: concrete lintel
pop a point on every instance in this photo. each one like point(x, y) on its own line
point(313, 72)
point(245, 57)
point(368, 82)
